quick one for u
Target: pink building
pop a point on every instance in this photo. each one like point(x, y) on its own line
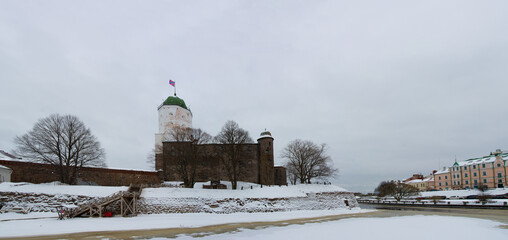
point(442, 179)
point(490, 171)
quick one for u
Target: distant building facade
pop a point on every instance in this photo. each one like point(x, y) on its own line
point(422, 184)
point(490, 171)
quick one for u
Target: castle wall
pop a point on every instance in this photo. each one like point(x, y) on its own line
point(279, 174)
point(209, 164)
point(42, 173)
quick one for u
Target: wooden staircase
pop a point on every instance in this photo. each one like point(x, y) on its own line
point(95, 208)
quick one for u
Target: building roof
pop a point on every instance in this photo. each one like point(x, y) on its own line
point(442, 171)
point(486, 159)
point(174, 101)
point(4, 167)
point(265, 134)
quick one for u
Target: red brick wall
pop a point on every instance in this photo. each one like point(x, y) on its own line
point(41, 173)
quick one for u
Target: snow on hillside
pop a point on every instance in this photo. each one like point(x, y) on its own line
point(56, 188)
point(256, 192)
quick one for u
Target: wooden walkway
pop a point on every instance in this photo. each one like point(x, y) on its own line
point(96, 208)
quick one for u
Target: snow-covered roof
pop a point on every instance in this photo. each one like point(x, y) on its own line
point(4, 167)
point(487, 159)
point(442, 171)
point(426, 179)
point(415, 181)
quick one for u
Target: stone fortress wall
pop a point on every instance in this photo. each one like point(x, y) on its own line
point(43, 173)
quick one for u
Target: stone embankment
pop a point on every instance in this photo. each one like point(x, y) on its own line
point(39, 202)
point(313, 201)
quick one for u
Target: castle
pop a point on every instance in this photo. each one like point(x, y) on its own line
point(256, 160)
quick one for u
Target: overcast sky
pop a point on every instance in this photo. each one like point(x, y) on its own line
point(392, 87)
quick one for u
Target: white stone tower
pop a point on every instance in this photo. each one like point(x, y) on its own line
point(172, 113)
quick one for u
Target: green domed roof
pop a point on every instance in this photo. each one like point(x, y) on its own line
point(175, 101)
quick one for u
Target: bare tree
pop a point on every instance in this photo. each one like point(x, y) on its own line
point(403, 190)
point(231, 136)
point(396, 190)
point(150, 157)
point(292, 174)
point(64, 142)
point(188, 152)
point(385, 188)
point(307, 160)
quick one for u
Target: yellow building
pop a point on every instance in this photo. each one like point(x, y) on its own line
point(424, 184)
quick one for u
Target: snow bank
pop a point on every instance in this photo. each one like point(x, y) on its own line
point(56, 188)
point(247, 192)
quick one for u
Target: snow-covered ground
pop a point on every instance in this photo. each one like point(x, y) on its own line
point(45, 226)
point(56, 188)
point(256, 192)
point(409, 227)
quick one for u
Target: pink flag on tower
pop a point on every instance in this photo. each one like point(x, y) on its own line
point(172, 83)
